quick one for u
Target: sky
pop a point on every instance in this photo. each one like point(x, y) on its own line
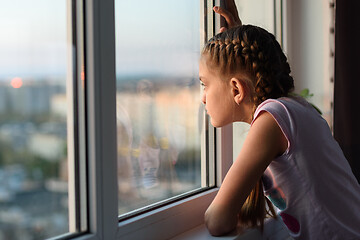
point(33, 38)
point(165, 39)
point(34, 43)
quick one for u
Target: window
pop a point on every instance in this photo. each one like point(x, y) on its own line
point(42, 194)
point(33, 128)
point(158, 101)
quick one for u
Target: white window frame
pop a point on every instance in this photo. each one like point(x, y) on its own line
point(101, 116)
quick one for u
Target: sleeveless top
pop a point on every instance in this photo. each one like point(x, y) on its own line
point(311, 184)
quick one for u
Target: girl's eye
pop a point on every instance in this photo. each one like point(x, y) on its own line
point(202, 84)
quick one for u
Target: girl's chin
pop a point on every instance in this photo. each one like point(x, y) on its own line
point(216, 124)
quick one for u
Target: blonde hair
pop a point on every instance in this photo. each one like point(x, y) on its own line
point(252, 51)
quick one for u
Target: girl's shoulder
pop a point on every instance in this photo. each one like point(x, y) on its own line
point(284, 105)
point(287, 112)
point(291, 100)
point(276, 107)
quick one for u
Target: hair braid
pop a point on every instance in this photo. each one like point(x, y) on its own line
point(254, 51)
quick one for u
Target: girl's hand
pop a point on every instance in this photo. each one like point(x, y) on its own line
point(230, 14)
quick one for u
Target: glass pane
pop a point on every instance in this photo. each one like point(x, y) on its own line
point(158, 102)
point(33, 119)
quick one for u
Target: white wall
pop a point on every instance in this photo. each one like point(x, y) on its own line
point(307, 42)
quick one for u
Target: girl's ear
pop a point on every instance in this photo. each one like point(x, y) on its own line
point(238, 89)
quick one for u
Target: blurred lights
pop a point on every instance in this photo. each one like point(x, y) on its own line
point(82, 75)
point(16, 82)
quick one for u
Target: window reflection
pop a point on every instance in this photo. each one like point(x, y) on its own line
point(157, 49)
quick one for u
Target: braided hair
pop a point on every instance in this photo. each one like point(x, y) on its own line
point(255, 52)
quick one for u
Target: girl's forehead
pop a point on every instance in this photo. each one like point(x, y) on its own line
point(205, 69)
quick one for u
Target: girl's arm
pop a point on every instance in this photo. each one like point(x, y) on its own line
point(264, 142)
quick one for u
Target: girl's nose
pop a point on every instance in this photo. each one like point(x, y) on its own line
point(203, 98)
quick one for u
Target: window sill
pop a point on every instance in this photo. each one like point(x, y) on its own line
point(273, 229)
point(169, 221)
point(201, 233)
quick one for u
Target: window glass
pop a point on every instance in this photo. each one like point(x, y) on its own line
point(33, 119)
point(158, 102)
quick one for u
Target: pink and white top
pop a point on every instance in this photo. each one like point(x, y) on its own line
point(311, 184)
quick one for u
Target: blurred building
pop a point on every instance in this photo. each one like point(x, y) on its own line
point(32, 97)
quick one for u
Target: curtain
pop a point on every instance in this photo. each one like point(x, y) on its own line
point(347, 81)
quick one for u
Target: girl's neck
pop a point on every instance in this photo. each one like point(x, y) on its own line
point(244, 112)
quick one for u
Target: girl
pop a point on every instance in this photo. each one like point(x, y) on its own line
point(289, 153)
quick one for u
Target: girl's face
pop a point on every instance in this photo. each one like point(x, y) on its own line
point(217, 96)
